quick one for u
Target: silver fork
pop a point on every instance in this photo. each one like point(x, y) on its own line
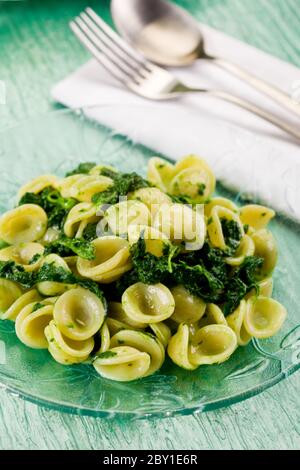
point(141, 76)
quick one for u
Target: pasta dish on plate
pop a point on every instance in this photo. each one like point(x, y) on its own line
point(118, 271)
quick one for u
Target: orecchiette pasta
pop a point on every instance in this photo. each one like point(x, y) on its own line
point(155, 241)
point(141, 342)
point(66, 350)
point(51, 288)
point(116, 311)
point(84, 187)
point(104, 336)
point(160, 173)
point(120, 216)
point(236, 323)
point(9, 293)
point(214, 228)
point(144, 342)
point(263, 317)
point(213, 316)
point(38, 184)
point(188, 308)
point(66, 184)
point(162, 332)
point(15, 308)
point(222, 202)
point(123, 364)
point(26, 223)
point(115, 326)
point(179, 347)
point(153, 198)
point(266, 248)
point(51, 235)
point(112, 259)
point(148, 303)
point(113, 271)
point(31, 323)
point(256, 216)
point(213, 344)
point(181, 223)
point(23, 254)
point(264, 288)
point(79, 314)
point(245, 248)
point(193, 178)
point(80, 215)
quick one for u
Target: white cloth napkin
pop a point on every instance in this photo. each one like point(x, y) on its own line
point(246, 153)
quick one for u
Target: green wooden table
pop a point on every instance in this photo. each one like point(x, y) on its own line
point(36, 50)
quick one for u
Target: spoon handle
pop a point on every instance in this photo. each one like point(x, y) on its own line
point(269, 90)
point(252, 108)
point(256, 110)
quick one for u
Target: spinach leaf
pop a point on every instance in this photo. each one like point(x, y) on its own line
point(82, 169)
point(124, 183)
point(90, 232)
point(241, 282)
point(232, 234)
point(204, 273)
point(48, 272)
point(65, 246)
point(15, 272)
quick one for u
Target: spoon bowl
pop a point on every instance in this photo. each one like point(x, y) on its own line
point(169, 35)
point(163, 32)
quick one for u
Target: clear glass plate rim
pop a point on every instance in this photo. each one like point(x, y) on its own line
point(81, 410)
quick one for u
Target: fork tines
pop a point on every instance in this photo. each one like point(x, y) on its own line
point(120, 59)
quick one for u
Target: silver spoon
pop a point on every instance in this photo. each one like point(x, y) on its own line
point(169, 35)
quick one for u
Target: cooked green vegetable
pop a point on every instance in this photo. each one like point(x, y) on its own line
point(3, 244)
point(82, 168)
point(66, 246)
point(232, 234)
point(48, 272)
point(124, 183)
point(35, 258)
point(201, 188)
point(89, 233)
point(55, 206)
point(109, 172)
point(37, 306)
point(15, 272)
point(204, 273)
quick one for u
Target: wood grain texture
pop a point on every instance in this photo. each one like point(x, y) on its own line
point(36, 50)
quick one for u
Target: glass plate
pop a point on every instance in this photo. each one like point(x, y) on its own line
point(56, 142)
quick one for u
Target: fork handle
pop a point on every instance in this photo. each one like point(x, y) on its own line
point(262, 86)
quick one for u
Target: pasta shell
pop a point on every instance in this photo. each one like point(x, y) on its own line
point(26, 223)
point(148, 303)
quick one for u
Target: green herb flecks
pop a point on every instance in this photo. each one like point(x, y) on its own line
point(201, 189)
point(106, 355)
